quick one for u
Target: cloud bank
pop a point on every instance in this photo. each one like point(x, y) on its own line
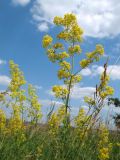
point(4, 80)
point(99, 18)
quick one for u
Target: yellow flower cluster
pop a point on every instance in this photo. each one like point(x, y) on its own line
point(92, 56)
point(89, 100)
point(64, 71)
point(104, 80)
point(62, 55)
point(104, 146)
point(53, 124)
point(1, 97)
point(2, 120)
point(72, 35)
point(16, 76)
point(56, 120)
point(66, 21)
point(98, 51)
point(104, 153)
point(53, 57)
point(80, 118)
point(15, 122)
point(76, 79)
point(72, 30)
point(85, 63)
point(63, 35)
point(60, 92)
point(16, 83)
point(35, 107)
point(61, 113)
point(18, 98)
point(80, 122)
point(47, 40)
point(103, 89)
point(58, 46)
point(75, 49)
point(107, 92)
point(58, 20)
point(65, 64)
point(76, 33)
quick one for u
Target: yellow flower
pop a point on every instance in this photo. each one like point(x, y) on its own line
point(76, 79)
point(80, 122)
point(75, 49)
point(65, 65)
point(69, 19)
point(58, 20)
point(104, 147)
point(104, 153)
point(81, 117)
point(63, 35)
point(35, 107)
point(47, 40)
point(1, 97)
point(16, 93)
point(100, 49)
point(62, 73)
point(17, 78)
point(76, 33)
point(58, 45)
point(60, 92)
point(51, 55)
point(63, 55)
point(61, 113)
point(103, 89)
point(66, 21)
point(85, 62)
point(89, 100)
point(15, 123)
point(53, 124)
point(2, 120)
point(108, 91)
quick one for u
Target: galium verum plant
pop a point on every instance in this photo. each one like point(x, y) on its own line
point(64, 51)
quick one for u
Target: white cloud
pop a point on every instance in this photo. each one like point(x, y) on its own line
point(2, 62)
point(80, 92)
point(113, 70)
point(4, 80)
point(86, 72)
point(48, 103)
point(38, 87)
point(43, 27)
point(99, 18)
point(21, 2)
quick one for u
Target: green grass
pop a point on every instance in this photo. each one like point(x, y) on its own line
point(66, 145)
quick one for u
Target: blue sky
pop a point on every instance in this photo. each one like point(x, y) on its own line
point(23, 23)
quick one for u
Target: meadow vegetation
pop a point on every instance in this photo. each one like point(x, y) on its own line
point(23, 137)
